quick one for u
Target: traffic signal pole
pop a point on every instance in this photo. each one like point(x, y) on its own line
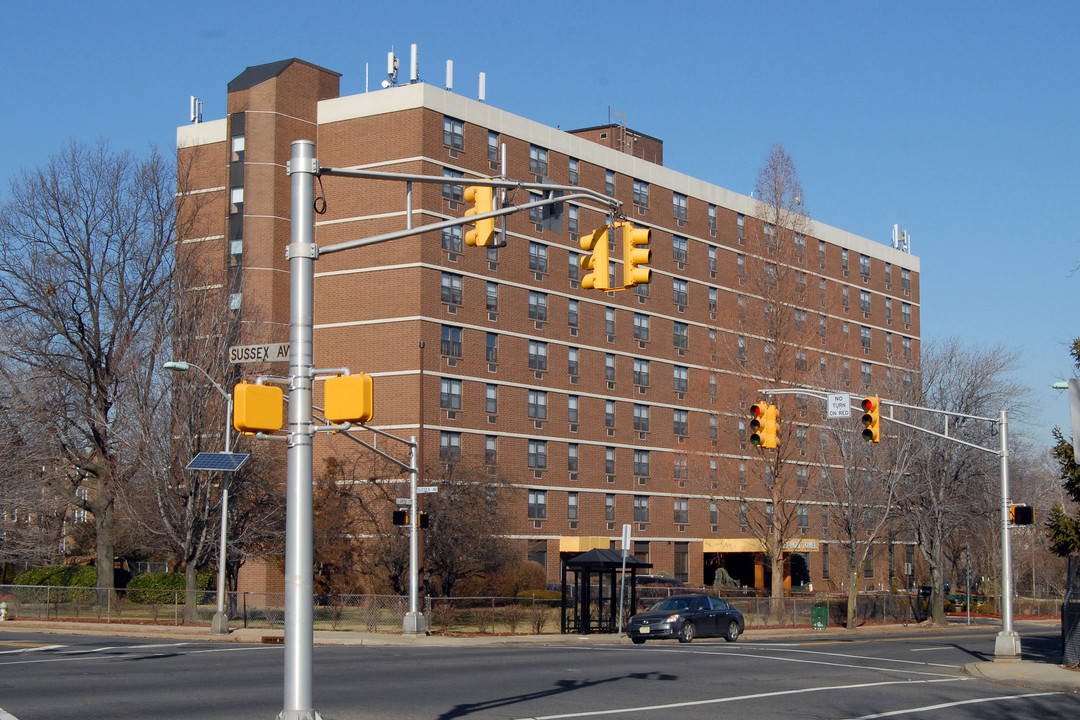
point(1007, 643)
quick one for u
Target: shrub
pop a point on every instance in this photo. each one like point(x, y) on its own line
point(163, 588)
point(61, 576)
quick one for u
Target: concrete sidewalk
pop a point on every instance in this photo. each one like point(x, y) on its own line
point(1046, 676)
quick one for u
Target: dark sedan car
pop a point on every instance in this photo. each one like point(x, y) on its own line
point(686, 617)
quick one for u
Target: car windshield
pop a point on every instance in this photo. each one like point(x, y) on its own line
point(675, 604)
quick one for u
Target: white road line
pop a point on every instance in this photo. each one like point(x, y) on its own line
point(939, 647)
point(928, 708)
point(69, 657)
point(5, 715)
point(38, 648)
point(717, 701)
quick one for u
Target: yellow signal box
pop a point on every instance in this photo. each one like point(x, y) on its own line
point(349, 398)
point(257, 408)
point(597, 261)
point(634, 257)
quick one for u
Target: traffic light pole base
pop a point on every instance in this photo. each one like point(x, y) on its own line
point(220, 624)
point(299, 715)
point(1007, 647)
point(414, 623)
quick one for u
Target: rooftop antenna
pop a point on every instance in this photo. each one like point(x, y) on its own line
point(414, 68)
point(483, 87)
point(391, 69)
point(450, 75)
point(196, 110)
point(900, 239)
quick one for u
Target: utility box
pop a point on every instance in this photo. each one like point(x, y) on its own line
point(258, 408)
point(349, 398)
point(819, 617)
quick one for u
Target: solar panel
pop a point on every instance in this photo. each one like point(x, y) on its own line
point(224, 462)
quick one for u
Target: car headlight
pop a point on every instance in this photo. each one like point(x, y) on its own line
point(671, 618)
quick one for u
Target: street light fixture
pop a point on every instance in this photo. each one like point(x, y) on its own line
point(220, 624)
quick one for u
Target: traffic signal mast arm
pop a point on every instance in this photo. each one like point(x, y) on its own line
point(609, 205)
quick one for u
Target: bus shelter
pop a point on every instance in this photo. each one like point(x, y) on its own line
point(590, 590)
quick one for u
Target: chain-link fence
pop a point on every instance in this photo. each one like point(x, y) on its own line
point(474, 615)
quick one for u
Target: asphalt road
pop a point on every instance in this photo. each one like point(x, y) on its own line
point(53, 677)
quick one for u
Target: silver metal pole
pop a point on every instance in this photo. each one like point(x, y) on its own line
point(299, 585)
point(414, 621)
point(1007, 643)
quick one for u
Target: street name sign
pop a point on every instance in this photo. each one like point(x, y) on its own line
point(267, 352)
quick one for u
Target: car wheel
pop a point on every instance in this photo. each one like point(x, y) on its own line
point(686, 632)
point(732, 631)
point(638, 640)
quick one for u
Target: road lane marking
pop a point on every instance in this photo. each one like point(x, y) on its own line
point(74, 657)
point(27, 647)
point(942, 706)
point(717, 701)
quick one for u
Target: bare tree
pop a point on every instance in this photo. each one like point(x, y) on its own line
point(952, 483)
point(85, 265)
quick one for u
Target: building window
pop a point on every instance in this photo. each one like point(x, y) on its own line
point(905, 344)
point(682, 511)
point(712, 259)
point(641, 417)
point(825, 561)
point(678, 204)
point(866, 374)
point(609, 367)
point(641, 508)
point(236, 200)
point(571, 505)
point(800, 360)
point(573, 171)
point(537, 306)
point(641, 194)
point(741, 348)
point(451, 239)
point(574, 271)
point(536, 214)
point(572, 457)
point(537, 405)
point(609, 183)
point(641, 463)
point(642, 290)
point(450, 394)
point(491, 351)
point(641, 327)
point(680, 422)
point(740, 221)
point(801, 437)
point(538, 160)
point(609, 413)
point(493, 146)
point(770, 237)
point(803, 513)
point(680, 468)
point(712, 217)
point(888, 310)
point(714, 515)
point(679, 292)
point(449, 446)
point(609, 321)
point(537, 504)
point(641, 372)
point(844, 296)
point(864, 301)
point(491, 399)
point(572, 313)
point(678, 249)
point(451, 341)
point(572, 361)
point(905, 313)
point(453, 133)
point(537, 454)
point(492, 296)
point(681, 378)
point(609, 507)
point(538, 257)
point(572, 408)
point(609, 460)
point(905, 278)
point(537, 355)
point(843, 260)
point(800, 245)
point(712, 299)
point(491, 449)
point(740, 265)
point(868, 564)
point(864, 336)
point(572, 223)
point(452, 191)
point(680, 335)
point(451, 288)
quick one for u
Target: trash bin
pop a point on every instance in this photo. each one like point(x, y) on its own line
point(819, 617)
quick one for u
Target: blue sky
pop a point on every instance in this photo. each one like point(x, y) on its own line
point(958, 121)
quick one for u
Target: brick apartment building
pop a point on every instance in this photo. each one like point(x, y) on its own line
point(593, 409)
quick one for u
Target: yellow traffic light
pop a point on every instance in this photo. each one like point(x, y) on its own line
point(597, 261)
point(871, 419)
point(257, 408)
point(349, 398)
point(481, 198)
point(764, 426)
point(1021, 515)
point(633, 256)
